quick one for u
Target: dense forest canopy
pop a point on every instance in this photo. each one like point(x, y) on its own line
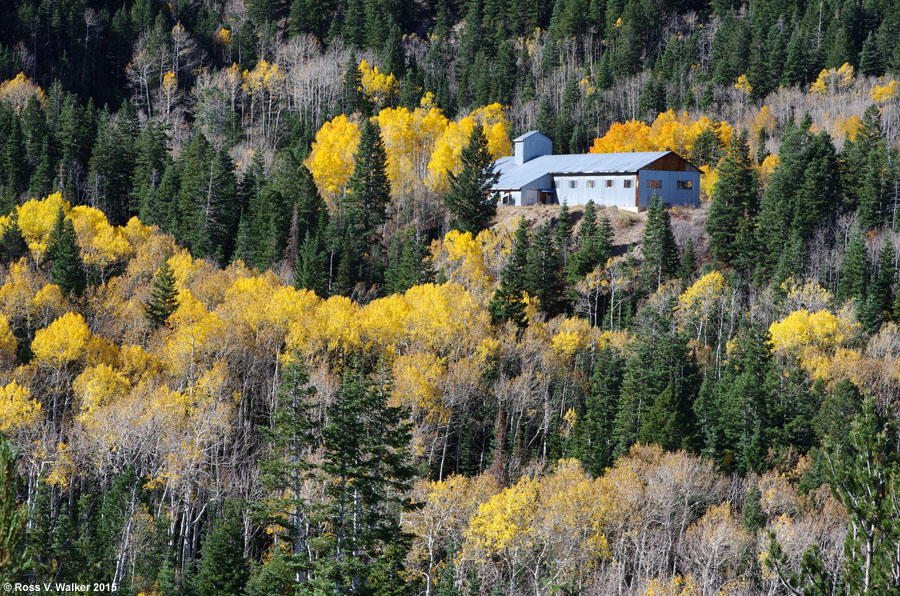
point(263, 330)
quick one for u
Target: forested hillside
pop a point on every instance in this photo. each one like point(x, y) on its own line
point(263, 330)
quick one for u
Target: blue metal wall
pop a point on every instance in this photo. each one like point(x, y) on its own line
point(613, 196)
point(670, 193)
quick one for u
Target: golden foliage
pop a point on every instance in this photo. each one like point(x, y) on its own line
point(820, 329)
point(574, 334)
point(7, 341)
point(767, 167)
point(332, 155)
point(19, 90)
point(885, 93)
point(456, 136)
point(377, 86)
point(64, 340)
point(833, 80)
point(36, 220)
point(669, 131)
point(409, 141)
point(675, 586)
point(743, 84)
point(17, 409)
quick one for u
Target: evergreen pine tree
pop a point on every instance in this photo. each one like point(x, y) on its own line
point(879, 299)
point(67, 267)
point(659, 379)
point(470, 201)
point(688, 264)
point(15, 559)
point(12, 244)
point(275, 576)
point(593, 428)
point(223, 568)
point(543, 276)
point(366, 458)
point(563, 232)
point(354, 100)
point(507, 302)
point(789, 421)
point(658, 246)
point(854, 270)
point(407, 265)
point(290, 443)
point(863, 475)
point(151, 162)
point(752, 513)
point(15, 165)
point(874, 191)
point(364, 207)
point(871, 62)
point(734, 206)
point(593, 245)
point(778, 203)
point(744, 402)
point(163, 301)
point(311, 268)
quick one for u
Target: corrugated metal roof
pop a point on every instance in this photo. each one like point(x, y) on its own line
point(515, 177)
point(530, 133)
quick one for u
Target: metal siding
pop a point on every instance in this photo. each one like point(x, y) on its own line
point(617, 196)
point(514, 176)
point(669, 191)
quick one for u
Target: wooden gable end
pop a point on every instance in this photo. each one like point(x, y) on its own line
point(672, 162)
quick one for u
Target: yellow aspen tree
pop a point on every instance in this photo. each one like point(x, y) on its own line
point(331, 159)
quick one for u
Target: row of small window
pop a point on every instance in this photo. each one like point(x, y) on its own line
point(682, 184)
point(592, 183)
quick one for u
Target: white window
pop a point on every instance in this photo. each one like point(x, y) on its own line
point(627, 183)
point(656, 184)
point(685, 184)
point(573, 183)
point(609, 184)
point(590, 183)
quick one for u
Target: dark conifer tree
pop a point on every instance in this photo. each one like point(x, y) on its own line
point(470, 201)
point(544, 273)
point(407, 263)
point(12, 244)
point(507, 302)
point(209, 211)
point(778, 205)
point(67, 267)
point(151, 162)
point(862, 472)
point(659, 378)
point(593, 427)
point(362, 211)
point(743, 402)
point(688, 264)
point(13, 517)
point(163, 301)
point(366, 458)
point(311, 269)
point(563, 232)
point(223, 568)
point(290, 442)
point(854, 270)
point(593, 244)
point(879, 298)
point(658, 246)
point(734, 207)
point(871, 62)
point(15, 166)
